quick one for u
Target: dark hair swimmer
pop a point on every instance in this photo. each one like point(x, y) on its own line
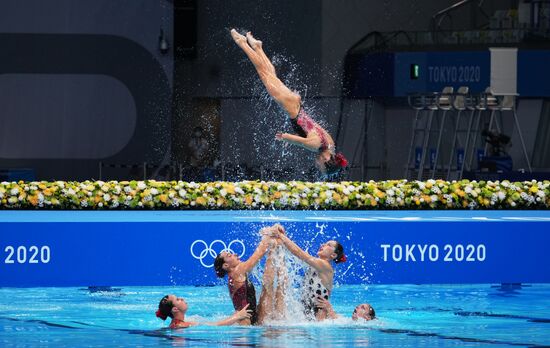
point(309, 134)
point(176, 307)
point(241, 289)
point(363, 311)
point(319, 278)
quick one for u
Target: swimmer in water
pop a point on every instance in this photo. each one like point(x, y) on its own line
point(310, 135)
point(363, 311)
point(319, 278)
point(241, 289)
point(176, 307)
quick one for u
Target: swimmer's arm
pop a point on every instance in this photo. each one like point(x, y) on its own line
point(314, 262)
point(327, 306)
point(246, 266)
point(244, 313)
point(308, 143)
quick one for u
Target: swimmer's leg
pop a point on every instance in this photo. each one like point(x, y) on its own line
point(282, 284)
point(257, 47)
point(289, 100)
point(265, 305)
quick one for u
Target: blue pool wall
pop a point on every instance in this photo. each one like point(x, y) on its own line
point(124, 248)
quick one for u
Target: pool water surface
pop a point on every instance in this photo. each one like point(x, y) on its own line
point(408, 315)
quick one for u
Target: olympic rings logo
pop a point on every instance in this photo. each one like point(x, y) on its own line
point(211, 251)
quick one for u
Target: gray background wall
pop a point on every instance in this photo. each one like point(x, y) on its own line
point(77, 120)
point(85, 82)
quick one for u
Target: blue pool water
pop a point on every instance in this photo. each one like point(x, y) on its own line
point(409, 315)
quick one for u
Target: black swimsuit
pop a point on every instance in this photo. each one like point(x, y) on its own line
point(242, 296)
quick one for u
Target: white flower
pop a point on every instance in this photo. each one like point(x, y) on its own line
point(114, 204)
point(40, 198)
point(351, 188)
point(501, 195)
point(84, 203)
point(281, 187)
point(127, 189)
point(239, 190)
point(468, 189)
point(223, 192)
point(12, 200)
point(390, 192)
point(140, 204)
point(182, 193)
point(154, 191)
point(61, 184)
point(14, 191)
point(71, 192)
point(141, 185)
point(434, 198)
point(100, 204)
point(209, 189)
point(329, 193)
point(106, 197)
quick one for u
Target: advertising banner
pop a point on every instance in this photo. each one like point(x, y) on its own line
point(179, 248)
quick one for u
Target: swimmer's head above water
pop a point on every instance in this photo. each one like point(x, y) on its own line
point(364, 311)
point(330, 164)
point(224, 261)
point(332, 250)
point(170, 305)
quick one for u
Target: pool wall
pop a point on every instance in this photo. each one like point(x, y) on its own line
point(72, 248)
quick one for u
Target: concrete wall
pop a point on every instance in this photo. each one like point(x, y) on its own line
point(83, 82)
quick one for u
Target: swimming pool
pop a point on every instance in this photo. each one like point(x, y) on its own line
point(409, 315)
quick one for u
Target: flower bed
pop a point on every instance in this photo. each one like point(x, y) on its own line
point(393, 194)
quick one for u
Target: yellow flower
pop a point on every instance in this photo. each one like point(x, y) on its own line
point(201, 201)
point(230, 189)
point(33, 200)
